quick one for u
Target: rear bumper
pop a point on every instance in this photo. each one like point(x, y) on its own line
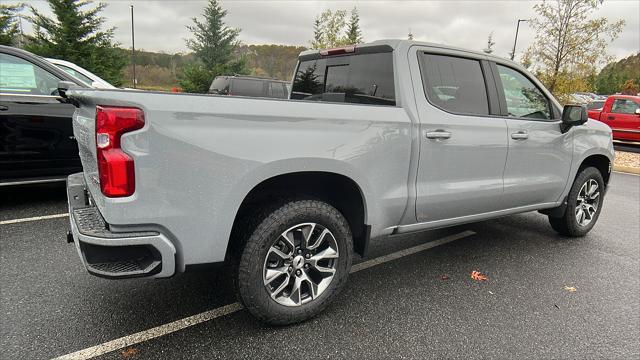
point(114, 254)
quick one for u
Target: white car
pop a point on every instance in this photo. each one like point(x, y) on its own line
point(83, 74)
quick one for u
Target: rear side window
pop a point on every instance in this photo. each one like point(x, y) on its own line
point(247, 87)
point(454, 84)
point(361, 79)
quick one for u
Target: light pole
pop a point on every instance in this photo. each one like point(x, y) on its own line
point(133, 49)
point(513, 53)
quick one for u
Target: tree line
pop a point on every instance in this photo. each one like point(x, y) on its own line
point(568, 50)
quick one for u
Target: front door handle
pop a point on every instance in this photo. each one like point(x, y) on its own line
point(520, 135)
point(438, 134)
point(4, 108)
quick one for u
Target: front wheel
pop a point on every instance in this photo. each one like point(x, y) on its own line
point(295, 262)
point(584, 204)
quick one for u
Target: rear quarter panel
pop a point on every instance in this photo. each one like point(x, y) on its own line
point(198, 156)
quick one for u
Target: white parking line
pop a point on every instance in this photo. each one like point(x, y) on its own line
point(177, 325)
point(15, 221)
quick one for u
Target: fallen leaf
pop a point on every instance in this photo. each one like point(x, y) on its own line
point(444, 277)
point(129, 352)
point(570, 289)
point(478, 276)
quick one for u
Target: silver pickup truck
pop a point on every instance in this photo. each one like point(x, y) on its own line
point(378, 139)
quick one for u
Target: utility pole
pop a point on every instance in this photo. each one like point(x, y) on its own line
point(133, 49)
point(513, 52)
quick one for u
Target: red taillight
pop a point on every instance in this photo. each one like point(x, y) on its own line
point(338, 51)
point(115, 167)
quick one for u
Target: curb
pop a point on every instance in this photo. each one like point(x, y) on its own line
point(626, 169)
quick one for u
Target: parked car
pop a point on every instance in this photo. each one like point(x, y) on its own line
point(595, 105)
point(249, 86)
point(83, 74)
point(36, 137)
point(622, 114)
point(386, 138)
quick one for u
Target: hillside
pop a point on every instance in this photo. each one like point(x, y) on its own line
point(156, 70)
point(613, 76)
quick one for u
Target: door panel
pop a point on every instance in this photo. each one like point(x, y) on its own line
point(463, 149)
point(540, 155)
point(623, 120)
point(538, 165)
point(461, 175)
point(36, 137)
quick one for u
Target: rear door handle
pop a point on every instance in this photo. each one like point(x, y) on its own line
point(438, 134)
point(611, 117)
point(520, 135)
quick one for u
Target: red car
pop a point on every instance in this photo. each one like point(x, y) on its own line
point(622, 114)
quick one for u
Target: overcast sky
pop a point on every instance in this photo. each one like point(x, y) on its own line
point(161, 25)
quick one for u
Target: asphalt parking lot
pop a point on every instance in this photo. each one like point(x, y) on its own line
point(545, 297)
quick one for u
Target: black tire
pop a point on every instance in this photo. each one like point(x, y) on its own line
point(271, 224)
point(567, 224)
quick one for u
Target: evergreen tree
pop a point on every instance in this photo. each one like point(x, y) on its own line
point(214, 44)
point(75, 35)
point(9, 29)
point(354, 35)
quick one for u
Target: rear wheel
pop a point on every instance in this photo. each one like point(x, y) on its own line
point(584, 204)
point(295, 262)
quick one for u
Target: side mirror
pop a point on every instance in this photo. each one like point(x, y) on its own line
point(573, 115)
point(64, 86)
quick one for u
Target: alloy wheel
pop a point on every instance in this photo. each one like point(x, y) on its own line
point(587, 202)
point(300, 264)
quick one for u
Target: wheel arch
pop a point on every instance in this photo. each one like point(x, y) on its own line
point(350, 200)
point(600, 162)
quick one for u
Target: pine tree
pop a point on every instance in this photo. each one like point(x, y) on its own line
point(317, 42)
point(75, 35)
point(354, 35)
point(214, 45)
point(9, 29)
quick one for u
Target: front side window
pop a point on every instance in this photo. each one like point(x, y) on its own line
point(454, 84)
point(18, 76)
point(524, 98)
point(624, 106)
point(361, 79)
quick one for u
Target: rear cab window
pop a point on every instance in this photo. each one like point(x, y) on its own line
point(365, 78)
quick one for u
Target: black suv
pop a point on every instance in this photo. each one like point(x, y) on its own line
point(250, 86)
